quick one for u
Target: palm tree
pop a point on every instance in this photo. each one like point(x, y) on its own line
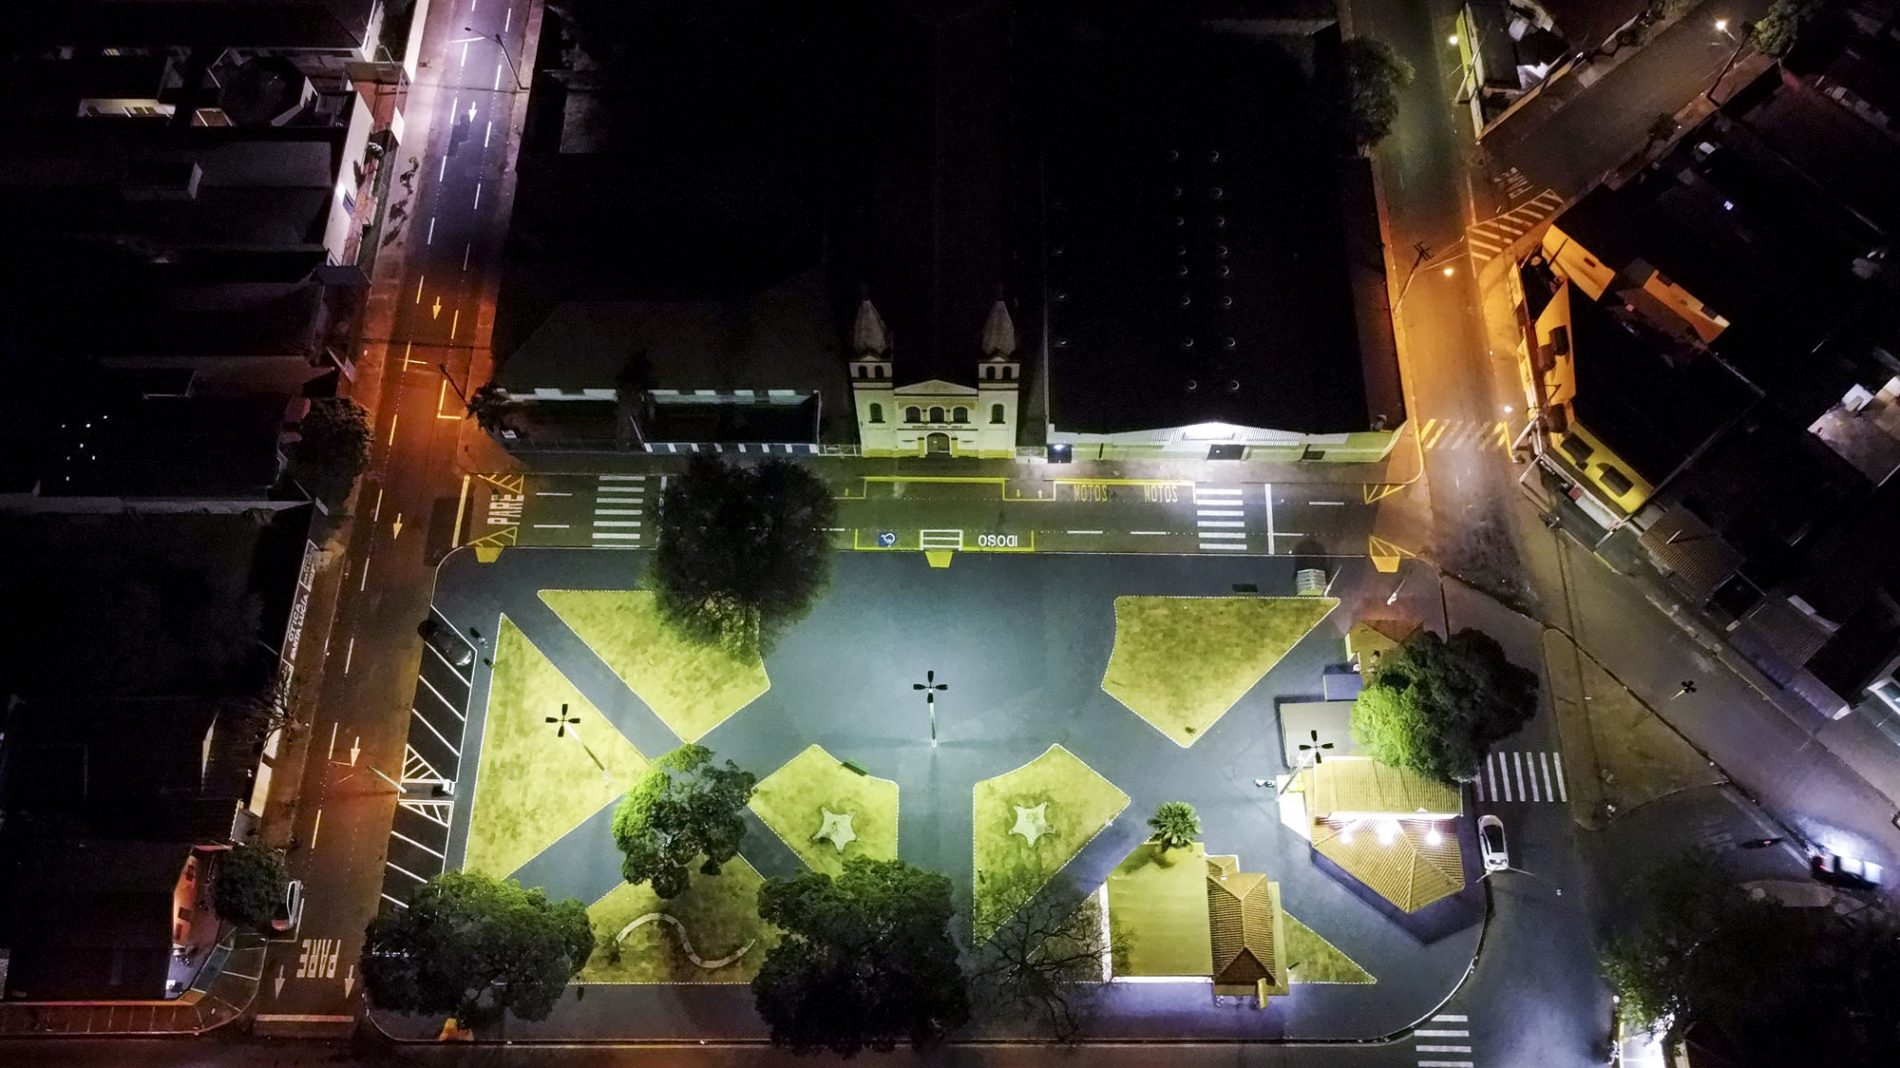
point(1175, 824)
point(489, 406)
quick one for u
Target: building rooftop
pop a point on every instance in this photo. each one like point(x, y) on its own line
point(1652, 408)
point(162, 446)
point(1197, 235)
point(1354, 787)
point(90, 918)
point(327, 24)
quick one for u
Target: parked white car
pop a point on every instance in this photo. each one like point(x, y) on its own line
point(289, 914)
point(1497, 857)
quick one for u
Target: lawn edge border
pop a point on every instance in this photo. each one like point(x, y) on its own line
point(897, 828)
point(541, 595)
point(1097, 833)
point(1119, 598)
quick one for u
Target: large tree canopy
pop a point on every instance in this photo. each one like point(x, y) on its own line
point(1375, 75)
point(332, 448)
point(742, 550)
point(1754, 982)
point(867, 959)
point(1042, 965)
point(1437, 706)
point(684, 808)
point(250, 883)
point(475, 946)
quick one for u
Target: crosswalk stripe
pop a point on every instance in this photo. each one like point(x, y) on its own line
point(1442, 1049)
point(617, 522)
point(1543, 766)
point(1230, 546)
point(600, 534)
point(1517, 762)
point(1447, 1064)
point(616, 511)
point(622, 478)
point(1224, 534)
point(1451, 1017)
point(1220, 511)
point(1220, 523)
point(1424, 1033)
point(1562, 793)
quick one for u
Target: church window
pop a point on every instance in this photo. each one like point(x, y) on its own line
point(877, 413)
point(996, 413)
point(960, 415)
point(936, 414)
point(913, 414)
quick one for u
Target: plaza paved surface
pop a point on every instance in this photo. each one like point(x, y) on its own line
point(1023, 642)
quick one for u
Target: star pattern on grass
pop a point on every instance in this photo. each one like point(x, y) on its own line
point(836, 829)
point(1032, 821)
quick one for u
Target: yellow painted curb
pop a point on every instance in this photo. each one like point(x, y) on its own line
point(487, 554)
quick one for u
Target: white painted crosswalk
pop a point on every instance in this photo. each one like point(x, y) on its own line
point(1220, 518)
point(1494, 235)
point(1444, 1042)
point(1464, 434)
point(619, 511)
point(1522, 776)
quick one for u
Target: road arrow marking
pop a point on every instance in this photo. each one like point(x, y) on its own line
point(277, 984)
point(398, 525)
point(349, 981)
point(435, 311)
point(356, 749)
point(471, 111)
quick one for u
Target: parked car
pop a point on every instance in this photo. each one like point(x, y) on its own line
point(1497, 857)
point(289, 914)
point(456, 651)
point(1852, 872)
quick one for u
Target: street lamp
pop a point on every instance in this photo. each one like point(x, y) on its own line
point(562, 723)
point(1721, 27)
point(1316, 748)
point(503, 45)
point(1424, 253)
point(931, 688)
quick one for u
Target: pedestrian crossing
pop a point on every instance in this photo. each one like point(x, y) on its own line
point(1220, 519)
point(1522, 776)
point(1465, 434)
point(1492, 236)
point(619, 520)
point(1444, 1042)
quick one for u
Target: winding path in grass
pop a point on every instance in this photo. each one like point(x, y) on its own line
point(686, 941)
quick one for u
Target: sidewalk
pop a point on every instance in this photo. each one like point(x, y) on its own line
point(1401, 468)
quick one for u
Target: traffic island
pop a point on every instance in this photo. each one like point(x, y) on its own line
point(1181, 662)
point(816, 794)
point(691, 687)
point(1029, 822)
point(710, 933)
point(1620, 753)
point(549, 759)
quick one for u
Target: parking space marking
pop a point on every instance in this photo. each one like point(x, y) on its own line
point(445, 662)
point(445, 742)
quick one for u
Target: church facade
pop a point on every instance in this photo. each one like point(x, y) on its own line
point(935, 417)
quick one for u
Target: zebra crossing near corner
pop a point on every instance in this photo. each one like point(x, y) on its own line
point(1492, 236)
point(1465, 434)
point(619, 511)
point(1220, 519)
point(1522, 776)
point(1444, 1042)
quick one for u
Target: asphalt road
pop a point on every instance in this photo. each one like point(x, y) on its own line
point(347, 797)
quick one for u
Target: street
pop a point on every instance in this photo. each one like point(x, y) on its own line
point(438, 305)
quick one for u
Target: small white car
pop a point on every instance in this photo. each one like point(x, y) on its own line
point(289, 914)
point(1491, 843)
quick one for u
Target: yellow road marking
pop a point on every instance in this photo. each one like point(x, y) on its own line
point(1386, 554)
point(939, 557)
point(1379, 491)
point(461, 508)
